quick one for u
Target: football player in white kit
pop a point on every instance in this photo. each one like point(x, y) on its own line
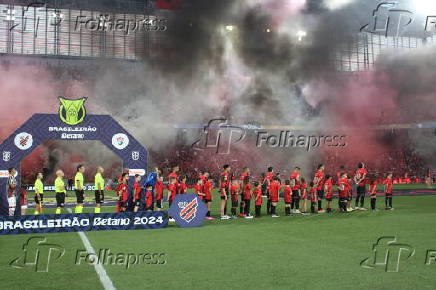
point(11, 189)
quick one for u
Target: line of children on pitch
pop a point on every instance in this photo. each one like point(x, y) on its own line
point(142, 197)
point(345, 193)
point(292, 195)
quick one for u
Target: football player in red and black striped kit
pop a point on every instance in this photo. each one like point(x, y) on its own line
point(224, 190)
point(313, 192)
point(267, 181)
point(245, 172)
point(224, 187)
point(274, 188)
point(388, 182)
point(328, 187)
point(359, 179)
point(234, 191)
point(296, 193)
point(373, 193)
point(172, 190)
point(198, 188)
point(304, 195)
point(257, 194)
point(247, 196)
point(148, 203)
point(174, 174)
point(207, 189)
point(159, 192)
point(122, 193)
point(137, 189)
point(287, 196)
point(318, 181)
point(182, 188)
point(343, 190)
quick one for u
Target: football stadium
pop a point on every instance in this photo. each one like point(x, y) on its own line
point(217, 144)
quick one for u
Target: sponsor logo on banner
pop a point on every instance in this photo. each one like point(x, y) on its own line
point(135, 155)
point(4, 174)
point(23, 141)
point(52, 188)
point(133, 172)
point(6, 156)
point(72, 112)
point(188, 210)
point(120, 141)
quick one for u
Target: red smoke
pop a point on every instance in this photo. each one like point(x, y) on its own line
point(26, 90)
point(355, 106)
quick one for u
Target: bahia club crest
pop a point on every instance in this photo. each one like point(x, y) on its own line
point(72, 112)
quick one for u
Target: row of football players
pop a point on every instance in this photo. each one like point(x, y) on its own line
point(239, 191)
point(242, 191)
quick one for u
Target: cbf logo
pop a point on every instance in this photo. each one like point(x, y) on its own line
point(388, 254)
point(37, 255)
point(72, 112)
point(6, 156)
point(188, 210)
point(218, 135)
point(135, 155)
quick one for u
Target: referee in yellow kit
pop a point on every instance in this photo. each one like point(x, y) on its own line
point(60, 191)
point(99, 189)
point(39, 193)
point(80, 190)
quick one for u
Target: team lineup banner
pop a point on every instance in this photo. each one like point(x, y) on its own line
point(10, 225)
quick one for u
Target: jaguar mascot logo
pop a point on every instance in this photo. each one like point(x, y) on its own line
point(72, 112)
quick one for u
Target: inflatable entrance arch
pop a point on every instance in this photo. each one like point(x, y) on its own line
point(70, 124)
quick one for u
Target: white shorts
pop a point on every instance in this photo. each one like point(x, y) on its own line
point(12, 205)
point(12, 201)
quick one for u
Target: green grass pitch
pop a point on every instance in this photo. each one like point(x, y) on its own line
point(299, 252)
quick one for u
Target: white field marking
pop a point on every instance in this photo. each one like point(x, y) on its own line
point(101, 272)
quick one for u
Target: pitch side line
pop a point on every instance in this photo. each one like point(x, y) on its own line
point(101, 272)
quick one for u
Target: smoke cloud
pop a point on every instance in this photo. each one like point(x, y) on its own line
point(249, 62)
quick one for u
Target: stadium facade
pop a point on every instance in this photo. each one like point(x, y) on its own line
point(133, 30)
point(360, 53)
point(127, 30)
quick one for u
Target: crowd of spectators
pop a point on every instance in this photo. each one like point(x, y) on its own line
point(406, 165)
